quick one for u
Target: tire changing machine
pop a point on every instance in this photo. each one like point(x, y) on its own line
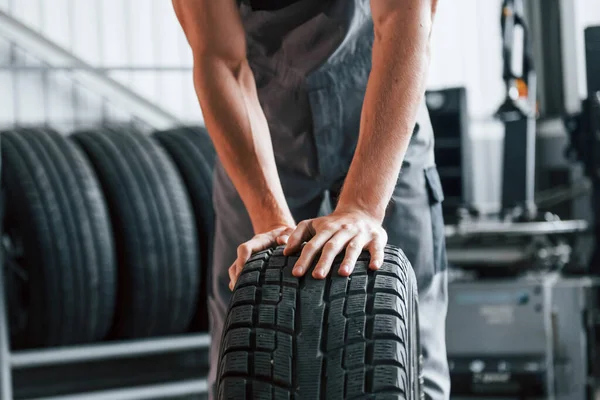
point(524, 319)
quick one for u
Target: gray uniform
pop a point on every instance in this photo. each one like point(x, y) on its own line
point(311, 61)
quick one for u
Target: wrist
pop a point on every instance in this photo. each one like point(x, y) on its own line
point(267, 209)
point(374, 212)
point(266, 220)
point(268, 226)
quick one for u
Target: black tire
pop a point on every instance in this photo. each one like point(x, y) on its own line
point(193, 153)
point(56, 233)
point(200, 139)
point(337, 338)
point(154, 231)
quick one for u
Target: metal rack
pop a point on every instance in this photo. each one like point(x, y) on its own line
point(10, 361)
point(148, 115)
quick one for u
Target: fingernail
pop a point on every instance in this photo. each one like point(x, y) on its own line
point(345, 268)
point(284, 238)
point(298, 269)
point(319, 272)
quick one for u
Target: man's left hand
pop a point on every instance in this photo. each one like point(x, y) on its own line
point(350, 230)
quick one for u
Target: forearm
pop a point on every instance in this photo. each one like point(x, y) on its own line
point(239, 130)
point(394, 92)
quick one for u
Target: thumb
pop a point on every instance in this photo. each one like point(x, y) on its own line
point(283, 237)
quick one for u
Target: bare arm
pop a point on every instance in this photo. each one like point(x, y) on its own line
point(227, 94)
point(394, 92)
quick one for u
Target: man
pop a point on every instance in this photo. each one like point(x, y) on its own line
point(301, 97)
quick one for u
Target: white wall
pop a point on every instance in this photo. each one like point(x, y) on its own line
point(111, 33)
point(106, 34)
point(580, 14)
point(466, 51)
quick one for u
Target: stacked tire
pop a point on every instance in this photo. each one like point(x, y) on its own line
point(193, 153)
point(59, 263)
point(154, 231)
point(100, 238)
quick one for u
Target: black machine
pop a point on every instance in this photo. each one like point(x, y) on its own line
point(530, 338)
point(449, 118)
point(523, 316)
point(518, 113)
point(522, 234)
point(584, 130)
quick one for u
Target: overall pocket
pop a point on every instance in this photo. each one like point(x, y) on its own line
point(436, 197)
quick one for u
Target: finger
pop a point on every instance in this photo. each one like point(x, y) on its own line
point(258, 243)
point(375, 248)
point(284, 236)
point(309, 251)
point(331, 249)
point(299, 236)
point(353, 250)
point(245, 250)
point(232, 276)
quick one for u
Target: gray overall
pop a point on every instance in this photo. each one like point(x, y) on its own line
point(311, 62)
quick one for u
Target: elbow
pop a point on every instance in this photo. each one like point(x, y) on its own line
point(208, 53)
point(401, 35)
point(207, 60)
point(209, 67)
point(403, 18)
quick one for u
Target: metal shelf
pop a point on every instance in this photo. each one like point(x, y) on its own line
point(185, 388)
point(98, 352)
point(5, 370)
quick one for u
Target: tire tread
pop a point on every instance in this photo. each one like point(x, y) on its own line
point(334, 338)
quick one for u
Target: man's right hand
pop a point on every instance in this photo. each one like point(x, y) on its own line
point(277, 236)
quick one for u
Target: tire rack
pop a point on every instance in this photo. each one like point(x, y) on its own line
point(10, 361)
point(56, 58)
point(109, 351)
point(97, 352)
